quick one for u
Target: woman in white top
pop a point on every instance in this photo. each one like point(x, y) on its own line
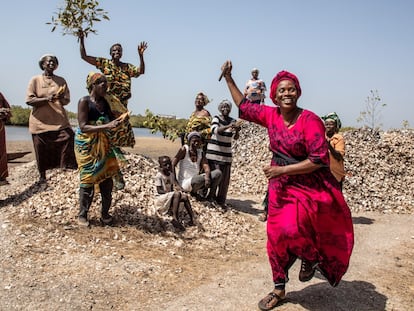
point(190, 161)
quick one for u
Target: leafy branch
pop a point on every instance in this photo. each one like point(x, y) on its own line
point(78, 17)
point(169, 129)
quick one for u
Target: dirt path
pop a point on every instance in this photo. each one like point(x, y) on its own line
point(48, 268)
point(380, 277)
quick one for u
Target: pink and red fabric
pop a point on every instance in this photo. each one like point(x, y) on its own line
point(308, 216)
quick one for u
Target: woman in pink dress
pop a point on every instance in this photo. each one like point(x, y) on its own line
point(308, 217)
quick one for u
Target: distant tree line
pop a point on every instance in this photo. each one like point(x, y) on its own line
point(20, 117)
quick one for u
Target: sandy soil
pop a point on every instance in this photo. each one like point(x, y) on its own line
point(49, 267)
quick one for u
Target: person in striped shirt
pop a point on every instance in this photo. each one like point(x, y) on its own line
point(219, 154)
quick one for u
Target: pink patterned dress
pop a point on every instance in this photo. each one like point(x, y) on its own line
point(308, 217)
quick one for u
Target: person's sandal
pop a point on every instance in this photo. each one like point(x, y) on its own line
point(263, 217)
point(271, 301)
point(307, 270)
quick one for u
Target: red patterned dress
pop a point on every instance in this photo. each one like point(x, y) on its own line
point(308, 217)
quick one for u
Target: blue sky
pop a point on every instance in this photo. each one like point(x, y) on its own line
point(340, 50)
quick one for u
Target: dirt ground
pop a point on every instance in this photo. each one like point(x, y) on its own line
point(45, 266)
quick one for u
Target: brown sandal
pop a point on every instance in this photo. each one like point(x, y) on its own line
point(271, 301)
point(307, 270)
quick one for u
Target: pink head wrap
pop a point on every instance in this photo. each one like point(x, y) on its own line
point(283, 75)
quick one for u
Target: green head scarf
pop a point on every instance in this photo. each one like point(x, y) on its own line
point(333, 117)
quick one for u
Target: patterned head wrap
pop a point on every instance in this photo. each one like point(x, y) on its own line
point(43, 58)
point(192, 135)
point(92, 78)
point(283, 75)
point(333, 117)
point(225, 102)
point(206, 100)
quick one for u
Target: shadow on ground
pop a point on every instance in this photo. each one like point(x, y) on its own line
point(362, 220)
point(354, 295)
point(24, 195)
point(245, 206)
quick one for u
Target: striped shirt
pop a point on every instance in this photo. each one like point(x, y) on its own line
point(219, 145)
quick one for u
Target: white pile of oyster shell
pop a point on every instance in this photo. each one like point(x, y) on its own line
point(380, 168)
point(57, 202)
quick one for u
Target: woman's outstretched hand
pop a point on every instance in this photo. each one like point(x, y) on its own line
point(142, 47)
point(226, 69)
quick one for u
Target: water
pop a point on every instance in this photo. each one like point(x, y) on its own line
point(21, 133)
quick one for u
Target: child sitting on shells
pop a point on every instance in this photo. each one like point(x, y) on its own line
point(167, 199)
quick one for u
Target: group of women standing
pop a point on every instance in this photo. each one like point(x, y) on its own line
point(308, 217)
point(103, 120)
